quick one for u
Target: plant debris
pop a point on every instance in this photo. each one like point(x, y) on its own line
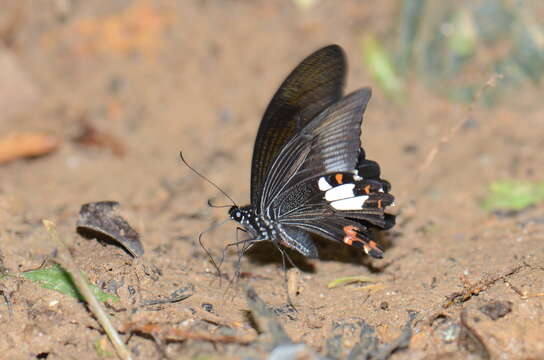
point(513, 195)
point(58, 279)
point(215, 319)
point(166, 332)
point(349, 280)
point(101, 219)
point(293, 282)
point(520, 293)
point(178, 295)
point(471, 289)
point(16, 146)
point(81, 284)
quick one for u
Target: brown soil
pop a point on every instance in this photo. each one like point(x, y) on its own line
point(154, 78)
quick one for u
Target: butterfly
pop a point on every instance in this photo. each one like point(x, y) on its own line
point(309, 173)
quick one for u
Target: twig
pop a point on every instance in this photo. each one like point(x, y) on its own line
point(445, 139)
point(176, 334)
point(491, 82)
point(212, 318)
point(68, 263)
point(522, 295)
point(176, 296)
point(483, 284)
point(293, 282)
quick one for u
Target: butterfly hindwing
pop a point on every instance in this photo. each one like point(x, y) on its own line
point(363, 203)
point(316, 83)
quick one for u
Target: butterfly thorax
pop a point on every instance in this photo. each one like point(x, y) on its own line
point(258, 227)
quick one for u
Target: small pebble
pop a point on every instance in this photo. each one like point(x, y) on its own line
point(208, 307)
point(314, 321)
point(496, 309)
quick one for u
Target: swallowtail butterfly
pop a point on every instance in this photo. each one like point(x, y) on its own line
point(309, 173)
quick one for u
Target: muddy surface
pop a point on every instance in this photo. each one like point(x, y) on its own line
point(154, 78)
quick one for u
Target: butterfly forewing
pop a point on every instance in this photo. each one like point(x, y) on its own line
point(316, 83)
point(329, 143)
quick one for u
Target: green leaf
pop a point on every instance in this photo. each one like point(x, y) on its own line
point(58, 279)
point(513, 195)
point(349, 280)
point(381, 68)
point(463, 40)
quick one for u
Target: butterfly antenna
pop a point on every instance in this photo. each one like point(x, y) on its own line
point(212, 205)
point(213, 227)
point(206, 179)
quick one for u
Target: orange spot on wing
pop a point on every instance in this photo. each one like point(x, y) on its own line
point(369, 246)
point(351, 235)
point(339, 178)
point(367, 189)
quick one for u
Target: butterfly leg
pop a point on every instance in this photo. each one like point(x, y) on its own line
point(284, 255)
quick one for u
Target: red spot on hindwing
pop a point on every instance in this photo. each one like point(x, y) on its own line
point(369, 246)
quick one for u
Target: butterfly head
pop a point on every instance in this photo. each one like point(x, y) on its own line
point(236, 214)
point(245, 215)
point(257, 227)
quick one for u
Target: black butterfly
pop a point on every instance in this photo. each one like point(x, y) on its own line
point(309, 173)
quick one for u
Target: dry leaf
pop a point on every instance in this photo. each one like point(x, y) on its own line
point(22, 145)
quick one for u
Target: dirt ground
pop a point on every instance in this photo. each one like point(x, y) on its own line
point(155, 78)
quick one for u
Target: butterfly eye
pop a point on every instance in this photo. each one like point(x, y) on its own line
point(235, 213)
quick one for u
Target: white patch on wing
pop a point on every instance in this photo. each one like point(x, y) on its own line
point(354, 203)
point(323, 184)
point(340, 192)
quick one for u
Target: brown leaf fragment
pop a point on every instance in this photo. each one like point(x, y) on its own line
point(102, 219)
point(16, 146)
